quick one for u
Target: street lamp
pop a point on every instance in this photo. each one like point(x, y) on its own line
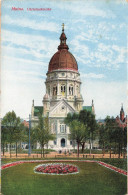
point(29, 147)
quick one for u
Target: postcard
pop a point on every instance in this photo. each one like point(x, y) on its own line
point(59, 58)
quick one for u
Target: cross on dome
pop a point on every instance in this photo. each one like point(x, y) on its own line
point(122, 110)
point(63, 27)
point(63, 38)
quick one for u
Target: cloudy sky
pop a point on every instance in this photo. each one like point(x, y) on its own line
point(96, 35)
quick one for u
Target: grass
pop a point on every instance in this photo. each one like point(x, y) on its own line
point(120, 163)
point(93, 179)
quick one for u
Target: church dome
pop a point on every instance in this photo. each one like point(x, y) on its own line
point(63, 59)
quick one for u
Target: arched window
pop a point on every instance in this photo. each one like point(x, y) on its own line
point(63, 41)
point(55, 90)
point(70, 90)
point(77, 90)
point(63, 89)
point(63, 128)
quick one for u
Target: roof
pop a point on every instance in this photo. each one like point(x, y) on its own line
point(38, 110)
point(63, 59)
point(88, 108)
point(26, 123)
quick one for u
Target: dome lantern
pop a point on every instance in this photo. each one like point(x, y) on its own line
point(63, 38)
point(63, 59)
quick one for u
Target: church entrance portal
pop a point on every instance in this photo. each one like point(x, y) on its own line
point(62, 142)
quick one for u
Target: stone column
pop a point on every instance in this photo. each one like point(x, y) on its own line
point(50, 89)
point(74, 88)
point(58, 88)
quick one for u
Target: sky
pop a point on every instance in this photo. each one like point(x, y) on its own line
point(96, 35)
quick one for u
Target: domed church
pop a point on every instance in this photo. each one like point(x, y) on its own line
point(62, 96)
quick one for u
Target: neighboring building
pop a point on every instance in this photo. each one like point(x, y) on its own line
point(62, 96)
point(26, 123)
point(122, 120)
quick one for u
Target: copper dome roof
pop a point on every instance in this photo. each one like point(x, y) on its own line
point(63, 59)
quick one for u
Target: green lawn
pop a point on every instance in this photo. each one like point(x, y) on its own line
point(93, 179)
point(120, 163)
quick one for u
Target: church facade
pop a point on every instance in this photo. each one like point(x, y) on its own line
point(63, 95)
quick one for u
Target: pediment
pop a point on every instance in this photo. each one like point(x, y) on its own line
point(61, 109)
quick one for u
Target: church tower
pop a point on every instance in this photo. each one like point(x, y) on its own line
point(122, 113)
point(63, 78)
point(62, 93)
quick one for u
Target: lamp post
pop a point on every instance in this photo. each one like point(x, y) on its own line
point(29, 149)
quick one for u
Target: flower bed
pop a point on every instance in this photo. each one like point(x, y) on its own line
point(56, 169)
point(112, 168)
point(123, 172)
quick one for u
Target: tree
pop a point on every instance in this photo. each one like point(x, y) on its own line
point(110, 126)
point(25, 133)
point(113, 136)
point(70, 117)
point(102, 137)
point(11, 122)
point(4, 137)
point(119, 138)
point(125, 139)
point(78, 132)
point(33, 137)
point(88, 119)
point(42, 133)
point(19, 135)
